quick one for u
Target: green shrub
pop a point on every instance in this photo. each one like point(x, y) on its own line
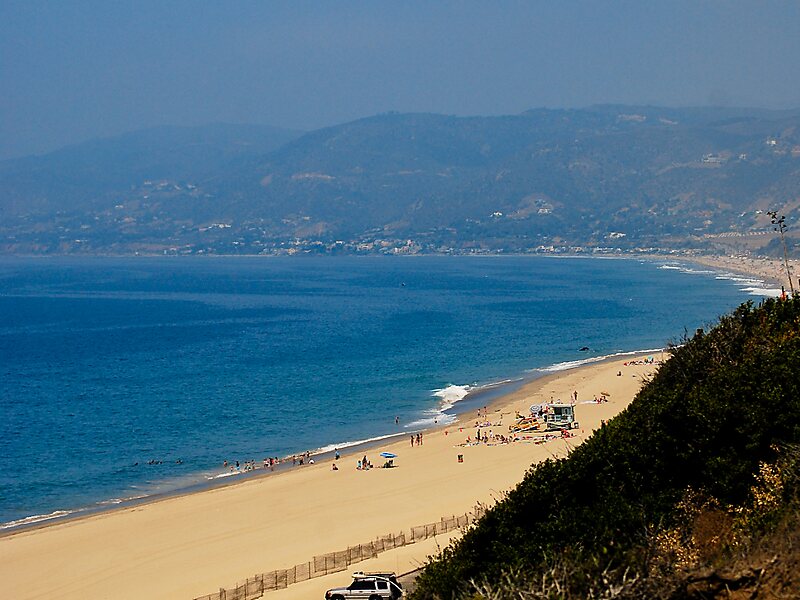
point(711, 415)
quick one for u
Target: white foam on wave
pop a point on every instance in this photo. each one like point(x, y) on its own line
point(341, 445)
point(686, 269)
point(225, 474)
point(37, 519)
point(448, 397)
point(451, 394)
point(494, 384)
point(113, 501)
point(739, 279)
point(753, 286)
point(439, 418)
point(762, 291)
point(574, 364)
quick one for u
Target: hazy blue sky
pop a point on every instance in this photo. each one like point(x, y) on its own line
point(72, 70)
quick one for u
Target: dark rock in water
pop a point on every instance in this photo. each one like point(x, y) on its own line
point(584, 349)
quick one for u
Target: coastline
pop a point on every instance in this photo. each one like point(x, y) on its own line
point(190, 544)
point(472, 399)
point(214, 476)
point(770, 270)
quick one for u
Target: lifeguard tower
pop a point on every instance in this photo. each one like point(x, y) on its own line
point(560, 416)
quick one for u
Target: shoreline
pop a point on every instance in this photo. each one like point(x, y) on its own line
point(211, 477)
point(473, 399)
point(227, 533)
point(770, 270)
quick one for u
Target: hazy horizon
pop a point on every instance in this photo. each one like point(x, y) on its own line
point(87, 70)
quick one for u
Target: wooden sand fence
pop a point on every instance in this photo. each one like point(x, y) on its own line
point(334, 562)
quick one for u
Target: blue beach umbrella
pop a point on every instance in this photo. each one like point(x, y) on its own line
point(388, 455)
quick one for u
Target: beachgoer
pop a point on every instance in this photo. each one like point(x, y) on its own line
point(336, 450)
point(419, 440)
point(358, 468)
point(334, 467)
point(364, 462)
point(412, 440)
point(397, 420)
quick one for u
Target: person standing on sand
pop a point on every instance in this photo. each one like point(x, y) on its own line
point(412, 440)
point(336, 453)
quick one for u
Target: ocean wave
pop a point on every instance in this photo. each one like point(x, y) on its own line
point(494, 384)
point(223, 475)
point(762, 291)
point(38, 518)
point(451, 394)
point(752, 285)
point(114, 501)
point(574, 364)
point(739, 279)
point(350, 444)
point(691, 270)
point(434, 420)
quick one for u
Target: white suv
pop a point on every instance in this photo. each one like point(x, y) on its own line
point(369, 586)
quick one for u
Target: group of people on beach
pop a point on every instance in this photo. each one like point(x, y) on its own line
point(304, 459)
point(270, 462)
point(418, 439)
point(642, 361)
point(248, 465)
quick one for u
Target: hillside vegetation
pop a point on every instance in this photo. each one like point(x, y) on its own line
point(601, 177)
point(692, 490)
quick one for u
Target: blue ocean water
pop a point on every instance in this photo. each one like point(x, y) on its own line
point(109, 364)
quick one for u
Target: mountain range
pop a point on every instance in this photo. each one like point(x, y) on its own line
point(604, 177)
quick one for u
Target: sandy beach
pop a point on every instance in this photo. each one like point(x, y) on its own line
point(191, 545)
